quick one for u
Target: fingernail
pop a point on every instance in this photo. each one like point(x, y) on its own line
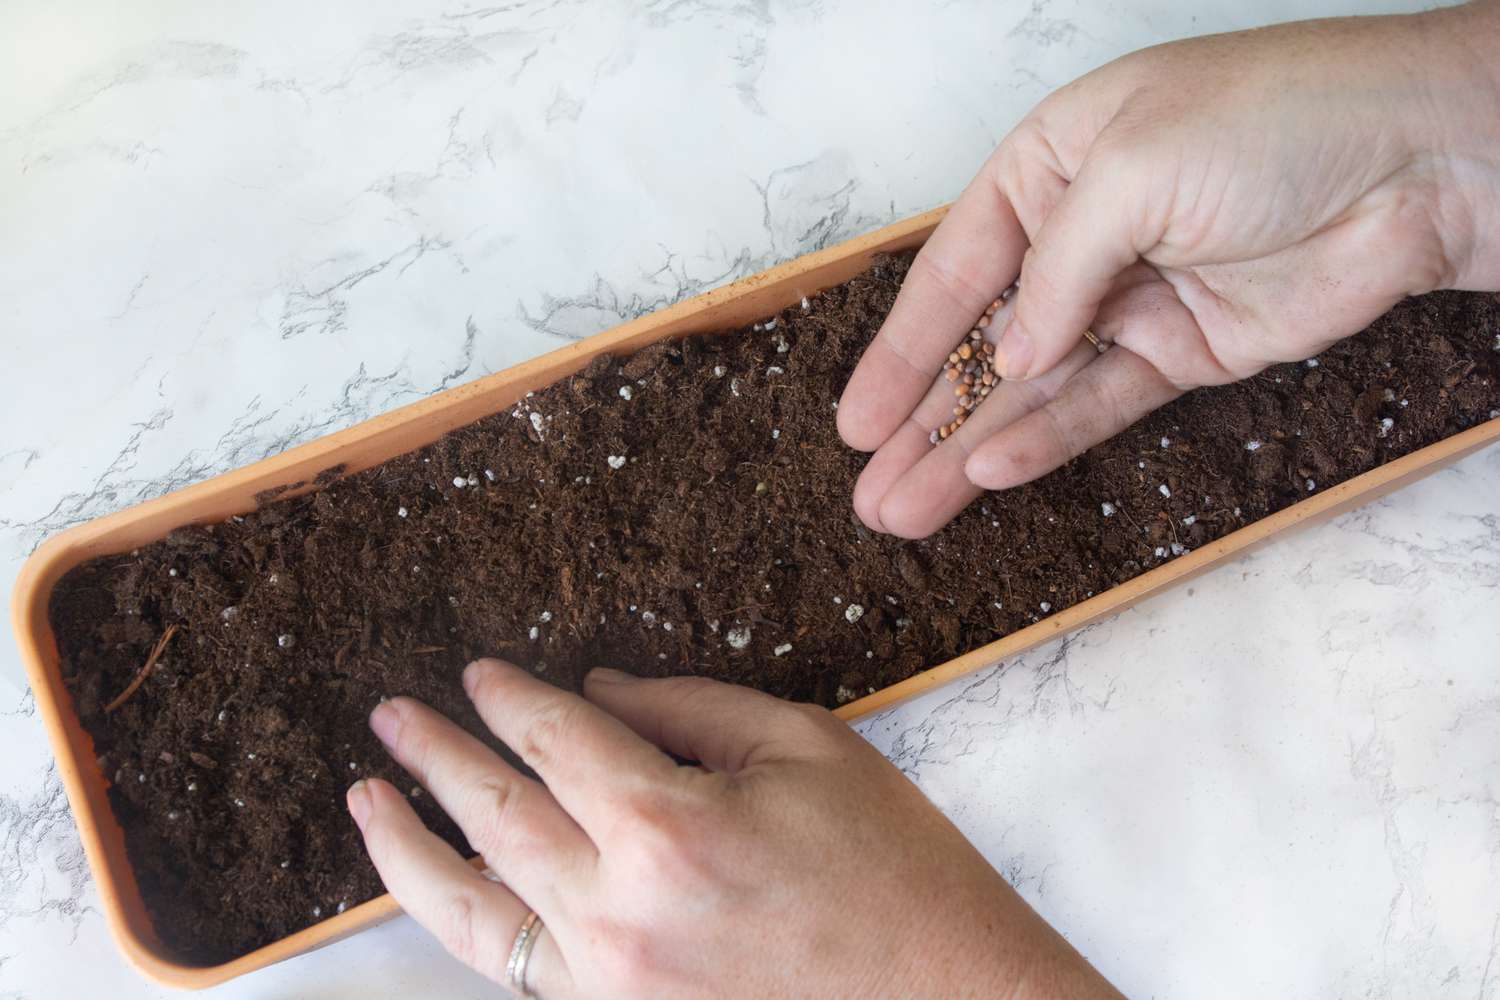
point(605, 675)
point(358, 798)
point(473, 673)
point(1015, 351)
point(384, 722)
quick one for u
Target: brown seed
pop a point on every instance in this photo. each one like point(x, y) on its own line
point(957, 410)
point(968, 378)
point(988, 348)
point(988, 378)
point(951, 375)
point(943, 432)
point(985, 391)
point(962, 389)
point(984, 321)
point(974, 334)
point(965, 351)
point(953, 358)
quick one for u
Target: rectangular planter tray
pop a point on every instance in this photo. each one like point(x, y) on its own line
point(391, 434)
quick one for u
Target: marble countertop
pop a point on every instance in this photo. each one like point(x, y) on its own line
point(230, 229)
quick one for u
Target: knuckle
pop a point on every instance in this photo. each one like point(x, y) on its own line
point(458, 931)
point(817, 724)
point(670, 837)
point(955, 278)
point(491, 808)
point(631, 958)
point(548, 729)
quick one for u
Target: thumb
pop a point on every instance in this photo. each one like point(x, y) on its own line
point(1087, 239)
point(721, 726)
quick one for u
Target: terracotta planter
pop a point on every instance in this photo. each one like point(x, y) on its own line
point(403, 430)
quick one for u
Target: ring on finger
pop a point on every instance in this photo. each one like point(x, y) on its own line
point(520, 956)
point(1099, 345)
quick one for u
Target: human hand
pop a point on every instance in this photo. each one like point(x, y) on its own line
point(795, 861)
point(1211, 207)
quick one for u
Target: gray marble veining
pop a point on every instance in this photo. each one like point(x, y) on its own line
point(232, 230)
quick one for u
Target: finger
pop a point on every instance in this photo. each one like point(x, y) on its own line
point(473, 917)
point(1085, 243)
point(934, 490)
point(1105, 397)
point(912, 441)
point(510, 819)
point(721, 726)
point(589, 759)
point(973, 255)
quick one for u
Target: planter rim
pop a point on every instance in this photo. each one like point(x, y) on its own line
point(382, 437)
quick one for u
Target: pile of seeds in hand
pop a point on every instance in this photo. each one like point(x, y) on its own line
point(971, 369)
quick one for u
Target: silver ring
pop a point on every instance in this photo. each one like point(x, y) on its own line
point(520, 956)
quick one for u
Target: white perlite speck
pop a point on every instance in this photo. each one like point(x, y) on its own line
point(460, 482)
point(844, 694)
point(489, 474)
point(775, 370)
point(854, 613)
point(616, 461)
point(1160, 552)
point(1166, 442)
point(806, 305)
point(1311, 486)
point(1252, 446)
point(1190, 520)
point(1178, 549)
point(625, 392)
point(536, 421)
point(1046, 607)
point(1311, 362)
point(782, 649)
point(648, 618)
point(775, 435)
point(738, 637)
point(401, 512)
point(284, 641)
point(544, 617)
point(1107, 509)
point(1386, 423)
point(1164, 490)
point(535, 633)
point(719, 371)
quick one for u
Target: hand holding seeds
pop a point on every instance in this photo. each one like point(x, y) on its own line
point(1211, 207)
point(764, 871)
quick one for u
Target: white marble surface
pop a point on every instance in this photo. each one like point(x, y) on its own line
point(230, 228)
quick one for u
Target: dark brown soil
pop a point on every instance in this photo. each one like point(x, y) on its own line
point(728, 519)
